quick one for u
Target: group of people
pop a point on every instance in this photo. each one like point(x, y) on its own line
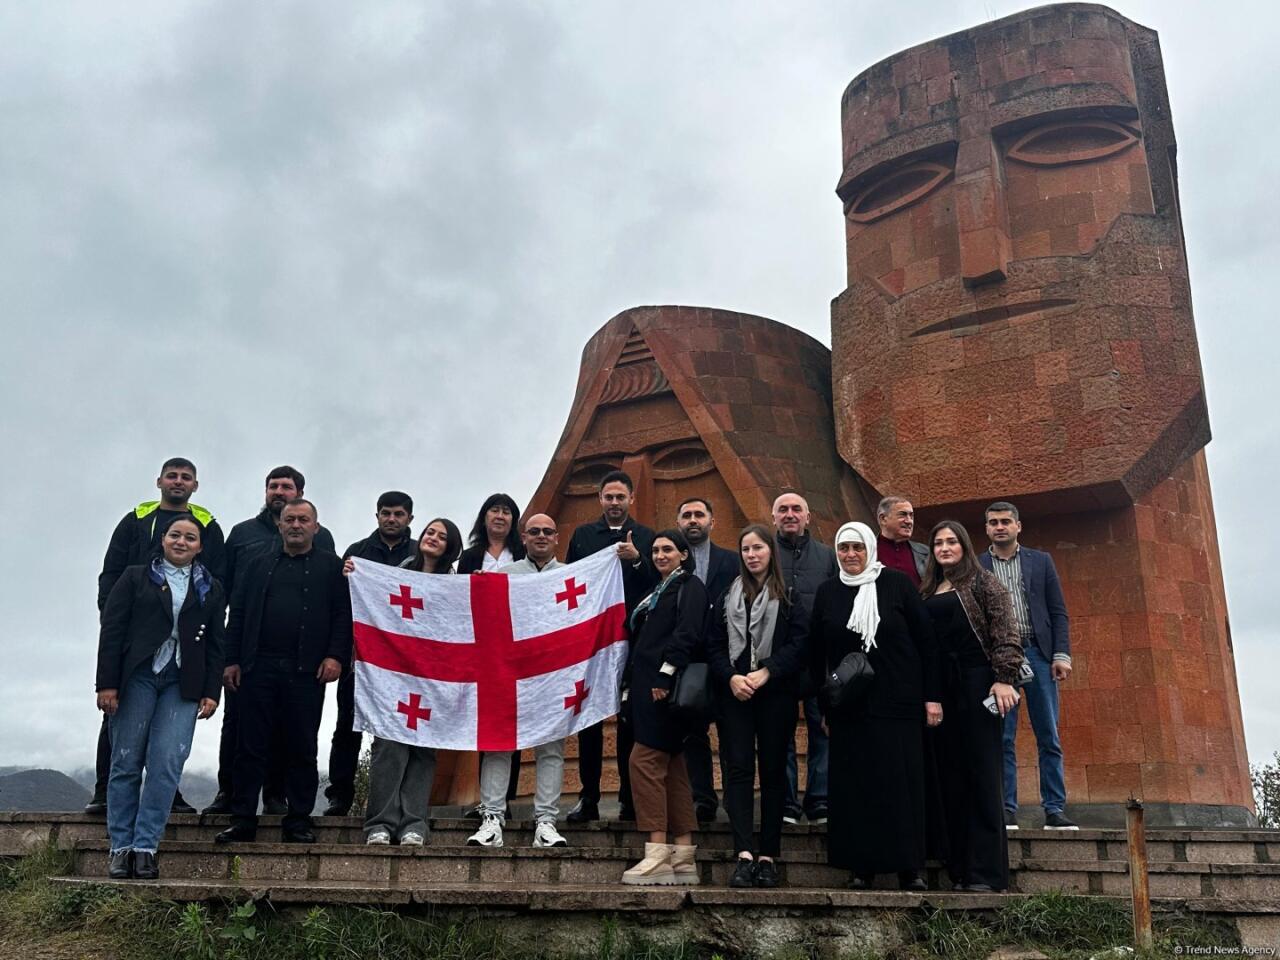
point(920, 764)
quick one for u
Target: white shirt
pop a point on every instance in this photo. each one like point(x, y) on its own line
point(491, 562)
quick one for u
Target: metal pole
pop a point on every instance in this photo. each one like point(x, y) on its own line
point(1138, 875)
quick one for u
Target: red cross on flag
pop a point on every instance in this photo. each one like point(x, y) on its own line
point(487, 661)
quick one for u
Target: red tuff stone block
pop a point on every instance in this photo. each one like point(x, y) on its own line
point(1093, 389)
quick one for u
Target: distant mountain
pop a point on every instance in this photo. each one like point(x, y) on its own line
point(24, 788)
point(41, 790)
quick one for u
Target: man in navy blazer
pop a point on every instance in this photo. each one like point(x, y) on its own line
point(717, 568)
point(1041, 614)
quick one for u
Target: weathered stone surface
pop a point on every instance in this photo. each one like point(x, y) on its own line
point(1017, 325)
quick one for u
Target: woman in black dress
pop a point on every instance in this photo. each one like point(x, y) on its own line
point(666, 628)
point(973, 619)
point(876, 785)
point(756, 656)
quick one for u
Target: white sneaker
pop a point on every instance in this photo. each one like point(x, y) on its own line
point(412, 839)
point(546, 835)
point(378, 838)
point(489, 834)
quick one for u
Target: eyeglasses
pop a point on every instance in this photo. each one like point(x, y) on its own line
point(540, 531)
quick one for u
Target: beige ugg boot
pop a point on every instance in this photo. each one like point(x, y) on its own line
point(683, 865)
point(654, 869)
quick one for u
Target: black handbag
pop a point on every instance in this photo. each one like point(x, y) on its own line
point(690, 697)
point(848, 684)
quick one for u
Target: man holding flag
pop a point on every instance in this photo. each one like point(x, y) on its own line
point(540, 538)
point(495, 662)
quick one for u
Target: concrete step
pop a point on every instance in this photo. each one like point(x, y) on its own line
point(21, 832)
point(568, 918)
point(569, 897)
point(358, 863)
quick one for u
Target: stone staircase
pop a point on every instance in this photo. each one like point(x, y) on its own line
point(1230, 873)
point(1184, 864)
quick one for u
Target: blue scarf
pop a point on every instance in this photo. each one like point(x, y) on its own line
point(200, 578)
point(646, 606)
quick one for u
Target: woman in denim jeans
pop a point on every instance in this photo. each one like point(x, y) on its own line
point(159, 669)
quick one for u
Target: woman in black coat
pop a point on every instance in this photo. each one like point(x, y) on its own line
point(666, 628)
point(877, 781)
point(159, 670)
point(757, 659)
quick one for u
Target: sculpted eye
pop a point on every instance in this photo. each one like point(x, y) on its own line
point(682, 460)
point(1072, 141)
point(897, 189)
point(586, 477)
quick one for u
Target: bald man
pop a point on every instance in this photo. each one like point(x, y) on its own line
point(806, 564)
point(540, 539)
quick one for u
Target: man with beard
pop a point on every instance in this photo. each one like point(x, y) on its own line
point(634, 543)
point(135, 540)
point(716, 567)
point(248, 539)
point(806, 565)
point(391, 544)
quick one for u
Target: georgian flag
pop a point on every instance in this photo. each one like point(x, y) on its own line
point(487, 661)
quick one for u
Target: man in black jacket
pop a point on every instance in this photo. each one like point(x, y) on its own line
point(806, 565)
point(289, 634)
point(717, 568)
point(135, 540)
point(249, 538)
point(634, 543)
point(390, 544)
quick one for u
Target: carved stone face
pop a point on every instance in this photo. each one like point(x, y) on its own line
point(1018, 317)
point(701, 403)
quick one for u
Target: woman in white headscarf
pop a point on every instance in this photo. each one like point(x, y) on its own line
point(876, 788)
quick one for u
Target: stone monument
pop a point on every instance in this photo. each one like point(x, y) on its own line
point(1017, 325)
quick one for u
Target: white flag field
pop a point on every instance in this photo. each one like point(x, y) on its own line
point(487, 661)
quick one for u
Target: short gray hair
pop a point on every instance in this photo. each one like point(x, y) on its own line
point(887, 504)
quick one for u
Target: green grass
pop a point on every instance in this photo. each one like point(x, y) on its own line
point(98, 921)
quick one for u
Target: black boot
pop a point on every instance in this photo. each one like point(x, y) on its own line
point(910, 880)
point(766, 874)
point(97, 806)
point(144, 866)
point(120, 865)
point(275, 806)
point(237, 833)
point(221, 803)
point(180, 805)
point(584, 811)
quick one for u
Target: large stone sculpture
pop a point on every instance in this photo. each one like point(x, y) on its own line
point(698, 402)
point(1018, 325)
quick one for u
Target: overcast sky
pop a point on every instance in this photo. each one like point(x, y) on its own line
point(371, 239)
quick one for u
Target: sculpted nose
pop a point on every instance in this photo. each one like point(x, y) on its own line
point(982, 216)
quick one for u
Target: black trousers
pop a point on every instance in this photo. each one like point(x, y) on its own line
point(102, 762)
point(697, 759)
point(591, 761)
point(275, 694)
point(971, 774)
point(759, 728)
point(344, 751)
point(229, 745)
